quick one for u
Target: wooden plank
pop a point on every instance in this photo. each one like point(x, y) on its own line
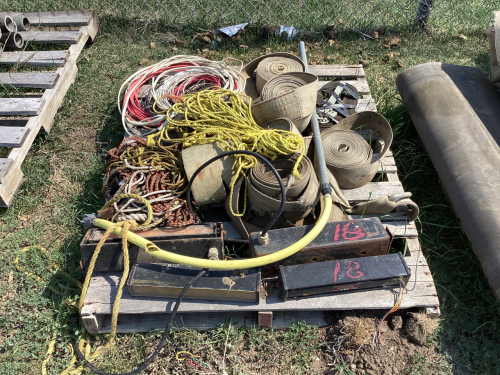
point(5, 164)
point(20, 106)
point(35, 58)
point(36, 36)
point(360, 84)
point(64, 18)
point(102, 291)
point(156, 322)
point(53, 99)
point(12, 136)
point(42, 80)
point(338, 71)
point(366, 104)
point(402, 229)
point(373, 190)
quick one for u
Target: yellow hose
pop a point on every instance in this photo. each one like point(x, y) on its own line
point(154, 250)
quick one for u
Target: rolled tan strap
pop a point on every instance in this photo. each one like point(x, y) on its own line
point(249, 71)
point(273, 66)
point(302, 193)
point(290, 95)
point(385, 205)
point(348, 155)
point(208, 186)
point(244, 227)
point(281, 124)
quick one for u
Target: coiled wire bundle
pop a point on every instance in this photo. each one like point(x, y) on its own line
point(145, 184)
point(145, 97)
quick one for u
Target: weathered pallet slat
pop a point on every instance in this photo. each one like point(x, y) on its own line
point(337, 71)
point(12, 136)
point(360, 84)
point(52, 97)
point(35, 58)
point(373, 190)
point(64, 18)
point(5, 164)
point(20, 106)
point(36, 36)
point(42, 80)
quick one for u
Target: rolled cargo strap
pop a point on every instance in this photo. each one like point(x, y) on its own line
point(249, 71)
point(282, 124)
point(302, 193)
point(273, 66)
point(348, 155)
point(208, 186)
point(290, 95)
point(385, 205)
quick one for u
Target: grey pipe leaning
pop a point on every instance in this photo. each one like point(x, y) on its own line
point(456, 111)
point(320, 156)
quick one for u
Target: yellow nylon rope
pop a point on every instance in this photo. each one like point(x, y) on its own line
point(218, 115)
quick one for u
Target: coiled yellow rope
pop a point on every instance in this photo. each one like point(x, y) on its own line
point(222, 115)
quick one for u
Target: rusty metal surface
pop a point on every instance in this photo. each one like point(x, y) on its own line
point(201, 230)
point(338, 240)
point(194, 241)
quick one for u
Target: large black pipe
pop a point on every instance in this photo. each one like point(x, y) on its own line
point(456, 111)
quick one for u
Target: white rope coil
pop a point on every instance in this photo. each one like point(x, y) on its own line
point(143, 108)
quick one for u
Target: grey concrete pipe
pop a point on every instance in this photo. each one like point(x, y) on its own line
point(13, 40)
point(7, 25)
point(456, 111)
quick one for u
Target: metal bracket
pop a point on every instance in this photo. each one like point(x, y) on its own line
point(88, 221)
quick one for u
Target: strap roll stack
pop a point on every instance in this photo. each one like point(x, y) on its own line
point(302, 193)
point(349, 155)
point(273, 66)
point(208, 186)
point(290, 95)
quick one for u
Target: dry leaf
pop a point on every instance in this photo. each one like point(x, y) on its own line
point(143, 61)
point(11, 277)
point(268, 51)
point(243, 46)
point(152, 45)
point(364, 62)
point(331, 42)
point(375, 34)
point(206, 39)
point(22, 217)
point(462, 36)
point(174, 48)
point(400, 63)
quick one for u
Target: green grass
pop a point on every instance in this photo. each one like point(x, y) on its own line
point(304, 14)
point(64, 169)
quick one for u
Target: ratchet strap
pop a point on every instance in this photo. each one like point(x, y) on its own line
point(384, 205)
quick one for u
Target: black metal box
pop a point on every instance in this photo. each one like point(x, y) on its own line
point(168, 280)
point(343, 275)
point(337, 240)
point(194, 241)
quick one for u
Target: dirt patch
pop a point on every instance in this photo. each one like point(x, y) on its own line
point(353, 345)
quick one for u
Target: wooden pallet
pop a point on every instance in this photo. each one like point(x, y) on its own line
point(22, 118)
point(143, 314)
